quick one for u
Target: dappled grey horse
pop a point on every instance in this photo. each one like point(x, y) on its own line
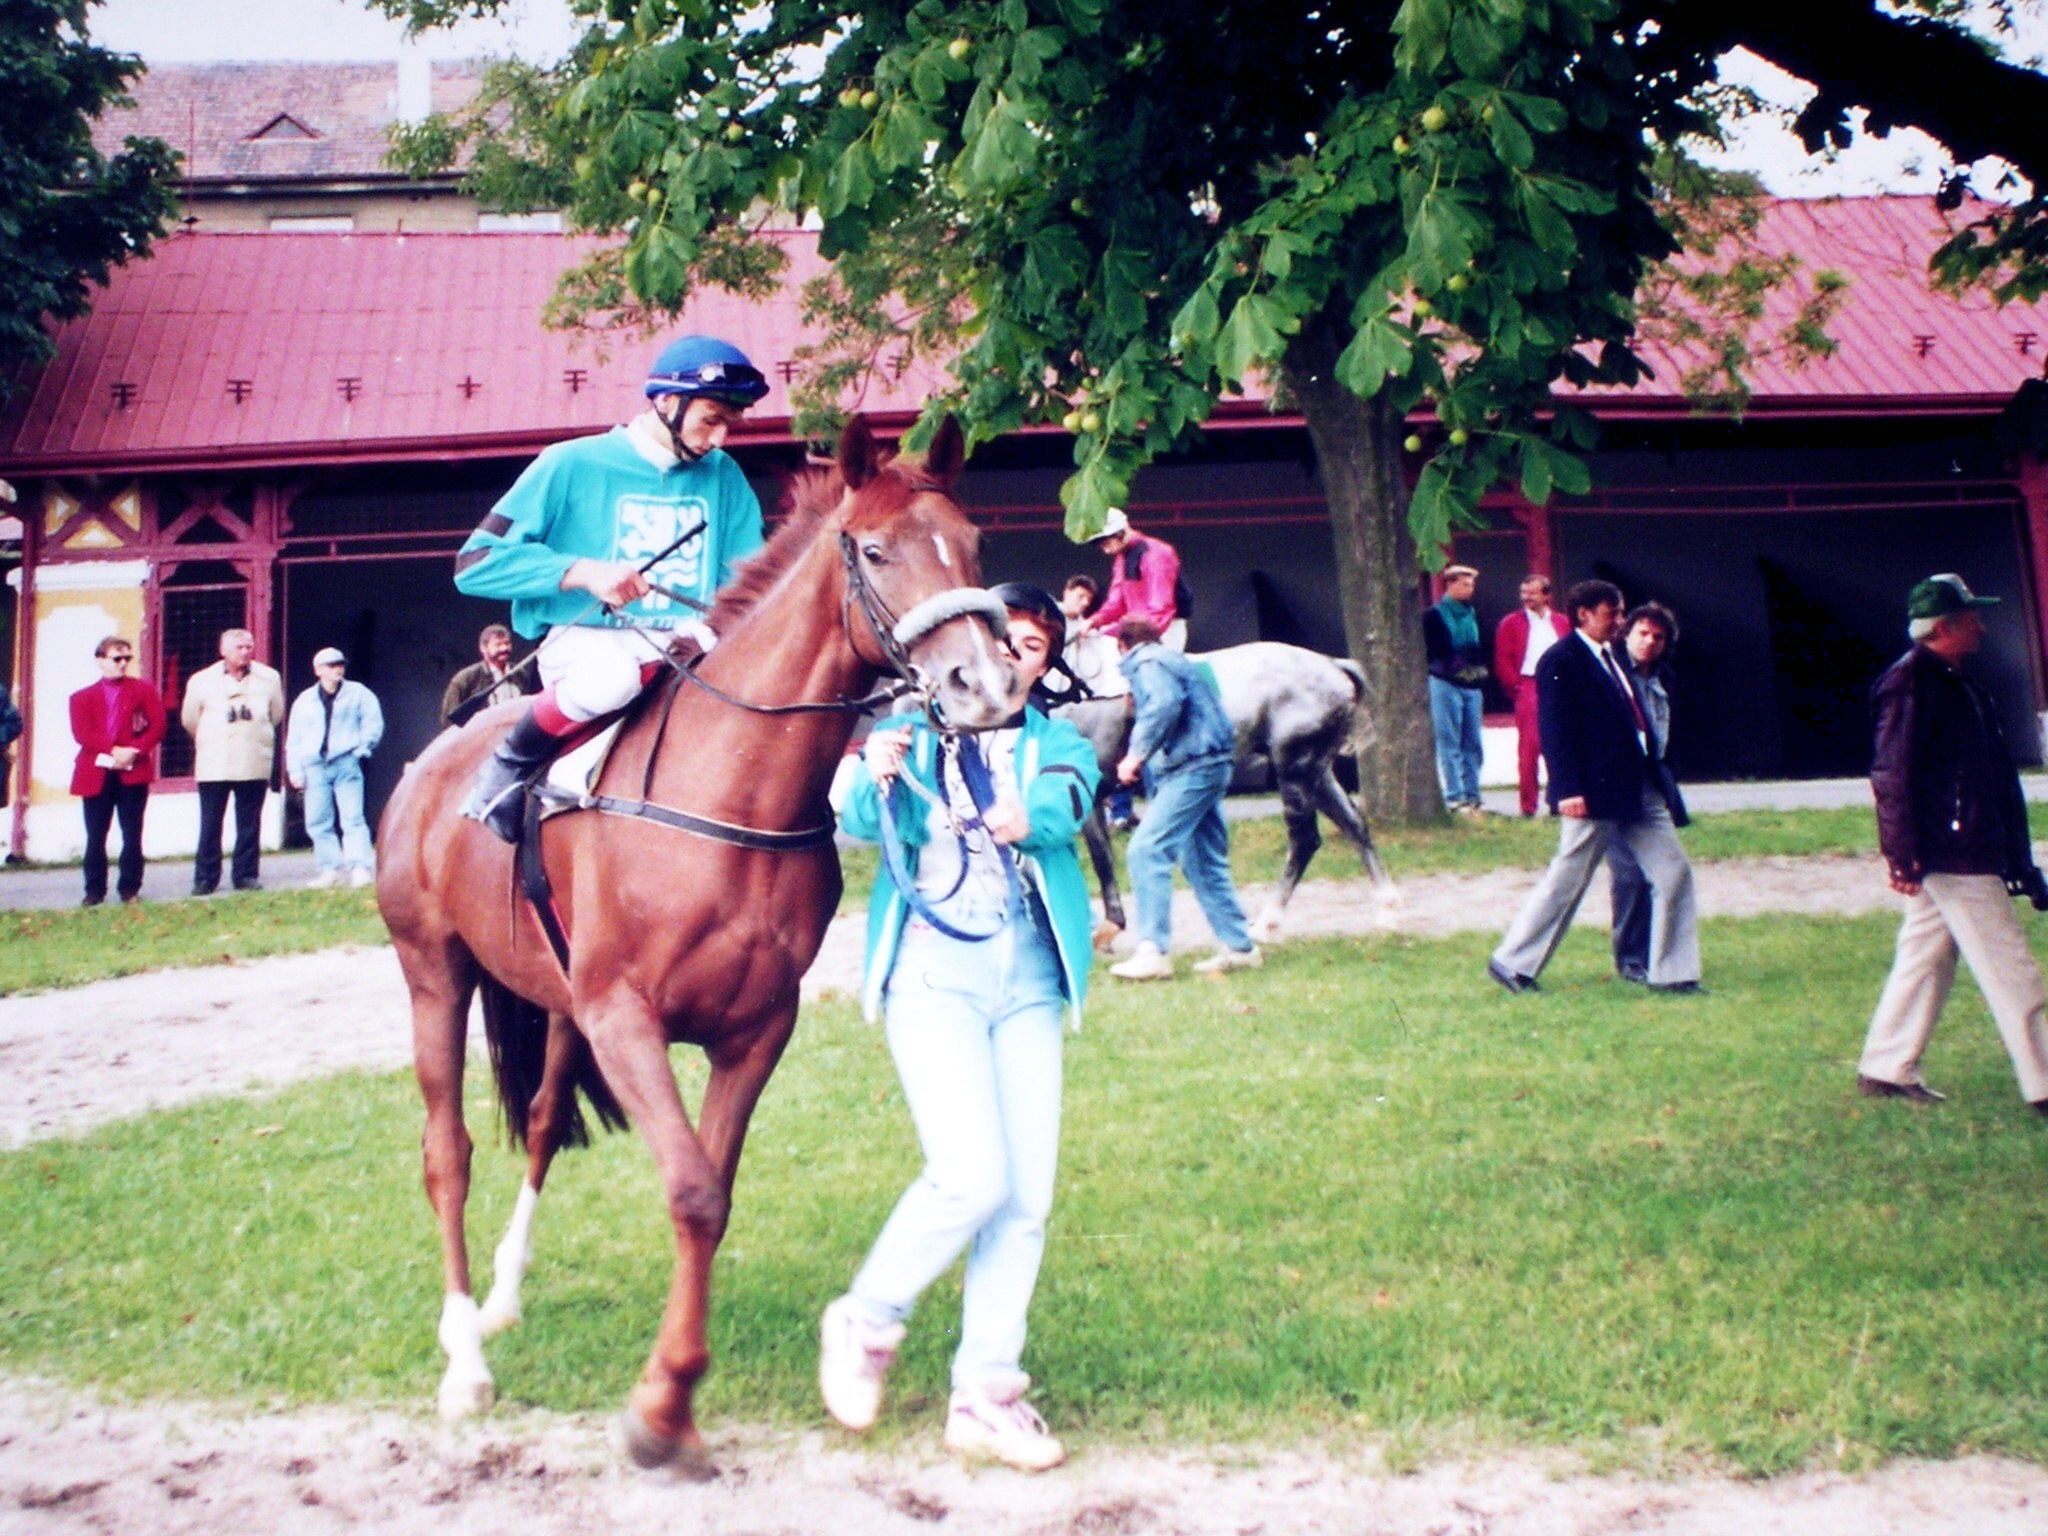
point(1294, 709)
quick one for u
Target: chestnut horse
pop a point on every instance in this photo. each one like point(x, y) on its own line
point(677, 936)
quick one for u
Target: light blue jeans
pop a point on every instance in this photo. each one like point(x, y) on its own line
point(334, 795)
point(975, 1032)
point(1455, 712)
point(1184, 825)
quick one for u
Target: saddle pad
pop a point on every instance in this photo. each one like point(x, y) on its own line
point(575, 771)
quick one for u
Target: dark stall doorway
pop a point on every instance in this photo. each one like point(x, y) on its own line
point(1788, 617)
point(405, 631)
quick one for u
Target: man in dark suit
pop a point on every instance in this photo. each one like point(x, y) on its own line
point(1606, 784)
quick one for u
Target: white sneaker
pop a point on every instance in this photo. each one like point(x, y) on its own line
point(997, 1423)
point(326, 880)
point(854, 1356)
point(360, 877)
point(1231, 960)
point(1146, 964)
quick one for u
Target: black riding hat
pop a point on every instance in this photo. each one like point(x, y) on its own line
point(1023, 597)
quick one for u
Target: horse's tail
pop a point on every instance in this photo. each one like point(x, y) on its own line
point(517, 1033)
point(1355, 675)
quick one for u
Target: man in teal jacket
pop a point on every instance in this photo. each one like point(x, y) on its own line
point(583, 522)
point(971, 972)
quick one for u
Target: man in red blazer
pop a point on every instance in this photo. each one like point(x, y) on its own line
point(117, 723)
point(1514, 664)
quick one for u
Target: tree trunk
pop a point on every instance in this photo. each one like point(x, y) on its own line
point(1358, 450)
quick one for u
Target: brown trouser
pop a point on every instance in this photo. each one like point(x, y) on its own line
point(1970, 915)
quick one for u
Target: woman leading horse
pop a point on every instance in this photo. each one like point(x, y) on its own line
point(694, 898)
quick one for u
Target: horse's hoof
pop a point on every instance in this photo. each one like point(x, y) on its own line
point(464, 1397)
point(1106, 935)
point(651, 1452)
point(1266, 930)
point(497, 1316)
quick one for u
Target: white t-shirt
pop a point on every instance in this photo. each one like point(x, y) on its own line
point(1542, 636)
point(984, 894)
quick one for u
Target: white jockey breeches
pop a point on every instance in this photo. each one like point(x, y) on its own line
point(595, 670)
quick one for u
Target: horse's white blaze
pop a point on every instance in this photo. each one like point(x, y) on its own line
point(509, 1264)
point(466, 1387)
point(945, 554)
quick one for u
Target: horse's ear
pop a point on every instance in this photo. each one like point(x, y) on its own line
point(947, 456)
point(859, 456)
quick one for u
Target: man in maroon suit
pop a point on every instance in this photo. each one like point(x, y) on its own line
point(1518, 644)
point(117, 723)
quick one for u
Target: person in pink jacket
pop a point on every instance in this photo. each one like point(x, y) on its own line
point(1144, 582)
point(1518, 644)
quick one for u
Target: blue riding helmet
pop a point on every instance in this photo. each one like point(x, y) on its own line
point(706, 366)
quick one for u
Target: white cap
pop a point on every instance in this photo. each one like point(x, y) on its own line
point(327, 655)
point(1113, 523)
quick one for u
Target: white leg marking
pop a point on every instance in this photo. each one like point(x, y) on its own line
point(1266, 929)
point(509, 1264)
point(467, 1387)
point(1392, 900)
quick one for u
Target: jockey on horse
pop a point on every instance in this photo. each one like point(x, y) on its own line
point(588, 516)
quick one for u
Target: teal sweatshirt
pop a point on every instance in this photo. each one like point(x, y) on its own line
point(1056, 776)
point(598, 498)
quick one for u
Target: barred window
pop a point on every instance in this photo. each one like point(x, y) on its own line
point(194, 616)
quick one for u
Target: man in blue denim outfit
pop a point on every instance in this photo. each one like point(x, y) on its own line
point(334, 726)
point(1181, 735)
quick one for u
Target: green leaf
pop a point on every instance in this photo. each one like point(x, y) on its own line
point(1424, 27)
point(1429, 508)
point(1251, 336)
point(1477, 46)
point(1511, 141)
point(1198, 319)
point(1088, 494)
point(852, 181)
point(1377, 349)
point(1123, 287)
point(1054, 263)
point(1540, 112)
point(1015, 15)
point(928, 76)
point(1536, 477)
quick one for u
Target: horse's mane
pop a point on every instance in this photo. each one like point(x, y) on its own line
point(809, 496)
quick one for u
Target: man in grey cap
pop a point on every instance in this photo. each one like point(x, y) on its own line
point(1952, 822)
point(334, 726)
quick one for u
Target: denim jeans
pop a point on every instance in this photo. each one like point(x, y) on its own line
point(334, 793)
point(1455, 713)
point(975, 1033)
point(1184, 825)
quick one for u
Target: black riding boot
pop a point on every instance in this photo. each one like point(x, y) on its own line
point(497, 800)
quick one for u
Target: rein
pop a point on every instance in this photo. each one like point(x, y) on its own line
point(981, 790)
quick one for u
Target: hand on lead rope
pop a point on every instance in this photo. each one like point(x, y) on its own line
point(884, 755)
point(1007, 822)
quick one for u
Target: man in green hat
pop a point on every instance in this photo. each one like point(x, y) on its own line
point(1952, 822)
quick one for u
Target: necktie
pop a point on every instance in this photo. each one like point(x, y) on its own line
point(1635, 709)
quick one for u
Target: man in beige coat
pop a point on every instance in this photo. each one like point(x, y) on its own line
point(232, 711)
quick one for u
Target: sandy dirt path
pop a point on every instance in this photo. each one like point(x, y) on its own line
point(71, 1464)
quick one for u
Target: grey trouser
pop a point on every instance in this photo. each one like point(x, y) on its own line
point(1970, 915)
point(1674, 912)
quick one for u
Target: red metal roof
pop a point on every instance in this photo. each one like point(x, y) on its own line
point(147, 380)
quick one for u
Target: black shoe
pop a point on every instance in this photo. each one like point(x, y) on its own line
point(1634, 977)
point(204, 890)
point(1677, 988)
point(129, 897)
point(498, 801)
point(2039, 1107)
point(1917, 1093)
point(248, 885)
point(93, 901)
point(1513, 981)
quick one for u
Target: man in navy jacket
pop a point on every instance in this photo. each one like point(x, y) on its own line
point(1606, 784)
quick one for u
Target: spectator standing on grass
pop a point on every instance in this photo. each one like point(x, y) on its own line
point(1650, 632)
point(1457, 672)
point(335, 726)
point(489, 680)
point(232, 710)
point(117, 723)
point(1519, 641)
point(1952, 822)
point(1181, 735)
point(1605, 787)
point(1144, 582)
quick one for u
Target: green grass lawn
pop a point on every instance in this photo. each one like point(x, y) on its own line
point(1358, 1196)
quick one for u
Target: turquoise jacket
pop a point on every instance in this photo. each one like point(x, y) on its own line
point(598, 498)
point(1056, 776)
